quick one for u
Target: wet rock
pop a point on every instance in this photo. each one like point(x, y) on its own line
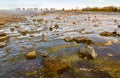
point(83, 39)
point(88, 52)
point(106, 33)
point(44, 54)
point(31, 55)
point(2, 44)
point(55, 65)
point(68, 39)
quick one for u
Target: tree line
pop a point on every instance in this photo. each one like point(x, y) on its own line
point(104, 9)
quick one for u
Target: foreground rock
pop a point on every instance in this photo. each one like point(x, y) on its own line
point(31, 55)
point(88, 53)
point(55, 65)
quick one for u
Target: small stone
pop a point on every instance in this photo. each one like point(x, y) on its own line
point(31, 55)
point(68, 39)
point(110, 55)
point(106, 33)
point(2, 44)
point(44, 54)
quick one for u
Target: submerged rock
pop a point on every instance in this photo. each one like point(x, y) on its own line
point(31, 55)
point(55, 65)
point(88, 52)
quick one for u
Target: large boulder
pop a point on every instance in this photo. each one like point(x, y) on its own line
point(83, 39)
point(88, 52)
point(31, 55)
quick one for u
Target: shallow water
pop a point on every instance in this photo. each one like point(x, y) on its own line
point(12, 57)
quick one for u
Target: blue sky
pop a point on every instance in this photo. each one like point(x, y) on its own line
point(11, 4)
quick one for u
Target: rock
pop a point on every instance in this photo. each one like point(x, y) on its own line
point(68, 39)
point(50, 28)
point(88, 52)
point(106, 33)
point(4, 37)
point(83, 39)
point(109, 55)
point(2, 44)
point(44, 54)
point(81, 30)
point(44, 38)
point(3, 34)
point(12, 29)
point(56, 26)
point(118, 26)
point(31, 55)
point(40, 20)
point(24, 33)
point(96, 25)
point(55, 65)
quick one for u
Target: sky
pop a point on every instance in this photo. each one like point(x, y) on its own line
point(58, 4)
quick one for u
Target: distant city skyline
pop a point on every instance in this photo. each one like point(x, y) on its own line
point(12, 4)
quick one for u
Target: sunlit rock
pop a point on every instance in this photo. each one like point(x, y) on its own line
point(31, 55)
